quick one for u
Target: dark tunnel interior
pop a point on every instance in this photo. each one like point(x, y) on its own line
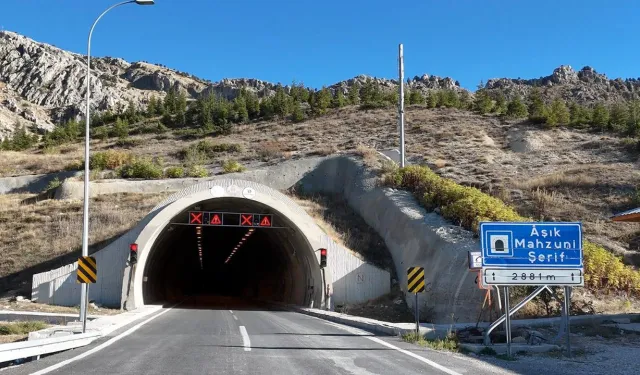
point(251, 263)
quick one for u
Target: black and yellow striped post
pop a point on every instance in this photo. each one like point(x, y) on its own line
point(87, 270)
point(415, 284)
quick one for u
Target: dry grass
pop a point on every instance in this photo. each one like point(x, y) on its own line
point(31, 234)
point(19, 163)
point(39, 307)
point(592, 176)
point(347, 228)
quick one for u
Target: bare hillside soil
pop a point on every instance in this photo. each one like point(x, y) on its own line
point(562, 174)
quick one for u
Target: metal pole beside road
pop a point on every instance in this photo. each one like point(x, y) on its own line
point(84, 295)
point(417, 317)
point(567, 312)
point(507, 325)
point(401, 102)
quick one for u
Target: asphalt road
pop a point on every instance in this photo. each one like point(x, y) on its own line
point(233, 338)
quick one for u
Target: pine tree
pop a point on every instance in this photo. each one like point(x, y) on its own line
point(121, 128)
point(354, 94)
point(465, 100)
point(170, 101)
point(618, 117)
point(432, 100)
point(600, 118)
point(450, 99)
point(131, 114)
point(338, 99)
point(537, 108)
point(371, 95)
point(633, 123)
point(323, 100)
point(516, 108)
point(500, 106)
point(483, 103)
point(416, 97)
point(558, 114)
point(240, 107)
point(152, 107)
point(281, 103)
point(297, 115)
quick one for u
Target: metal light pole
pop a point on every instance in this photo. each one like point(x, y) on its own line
point(401, 102)
point(85, 224)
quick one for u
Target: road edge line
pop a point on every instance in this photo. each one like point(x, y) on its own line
point(245, 339)
point(101, 346)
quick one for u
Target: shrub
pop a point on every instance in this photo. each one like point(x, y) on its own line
point(175, 172)
point(108, 160)
point(53, 184)
point(141, 168)
point(200, 152)
point(74, 166)
point(231, 166)
point(469, 206)
point(197, 171)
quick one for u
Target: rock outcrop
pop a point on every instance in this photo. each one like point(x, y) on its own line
point(584, 86)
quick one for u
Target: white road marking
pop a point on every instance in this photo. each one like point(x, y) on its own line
point(391, 346)
point(245, 339)
point(235, 317)
point(231, 311)
point(101, 346)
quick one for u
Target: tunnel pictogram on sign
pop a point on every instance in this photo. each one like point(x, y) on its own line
point(415, 280)
point(87, 270)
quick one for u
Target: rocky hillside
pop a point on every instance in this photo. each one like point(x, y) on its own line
point(584, 87)
point(41, 85)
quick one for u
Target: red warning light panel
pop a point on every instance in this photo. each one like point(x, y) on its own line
point(246, 220)
point(195, 217)
point(265, 221)
point(215, 218)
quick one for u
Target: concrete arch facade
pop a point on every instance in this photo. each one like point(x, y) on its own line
point(120, 285)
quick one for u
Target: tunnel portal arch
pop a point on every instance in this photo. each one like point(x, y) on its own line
point(306, 236)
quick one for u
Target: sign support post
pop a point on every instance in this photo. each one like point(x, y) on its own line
point(507, 322)
point(567, 308)
point(417, 317)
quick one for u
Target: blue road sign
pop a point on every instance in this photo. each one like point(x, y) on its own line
point(531, 245)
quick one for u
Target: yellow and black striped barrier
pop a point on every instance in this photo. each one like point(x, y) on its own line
point(415, 280)
point(87, 270)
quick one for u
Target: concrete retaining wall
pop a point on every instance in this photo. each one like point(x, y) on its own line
point(31, 184)
point(353, 280)
point(414, 237)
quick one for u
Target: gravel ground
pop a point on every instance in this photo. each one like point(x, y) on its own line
point(596, 350)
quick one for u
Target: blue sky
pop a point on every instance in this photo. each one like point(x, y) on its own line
point(322, 42)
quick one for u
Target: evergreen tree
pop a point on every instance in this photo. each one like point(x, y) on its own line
point(121, 128)
point(240, 108)
point(181, 102)
point(516, 108)
point(483, 103)
point(537, 108)
point(618, 117)
point(354, 94)
point(500, 106)
point(600, 118)
point(432, 99)
point(633, 123)
point(578, 115)
point(252, 103)
point(371, 95)
point(465, 100)
point(281, 103)
point(415, 97)
point(131, 114)
point(322, 101)
point(297, 115)
point(170, 101)
point(266, 108)
point(338, 99)
point(558, 114)
point(152, 107)
point(451, 99)
point(298, 92)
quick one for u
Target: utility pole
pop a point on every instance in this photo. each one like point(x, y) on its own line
point(401, 103)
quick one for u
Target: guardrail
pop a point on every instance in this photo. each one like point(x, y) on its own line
point(34, 348)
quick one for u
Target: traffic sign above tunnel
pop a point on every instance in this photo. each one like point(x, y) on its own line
point(231, 219)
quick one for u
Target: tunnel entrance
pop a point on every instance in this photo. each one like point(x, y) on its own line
point(202, 257)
